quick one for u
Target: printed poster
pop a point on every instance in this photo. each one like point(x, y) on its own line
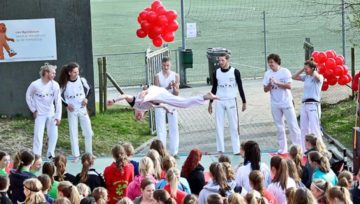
point(27, 40)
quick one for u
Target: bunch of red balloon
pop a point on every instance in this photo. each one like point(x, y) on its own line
point(332, 67)
point(157, 23)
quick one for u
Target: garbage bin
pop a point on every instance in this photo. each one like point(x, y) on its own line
point(213, 56)
point(187, 58)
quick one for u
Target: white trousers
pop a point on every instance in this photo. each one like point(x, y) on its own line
point(160, 121)
point(52, 132)
point(178, 101)
point(310, 120)
point(230, 108)
point(73, 117)
point(280, 113)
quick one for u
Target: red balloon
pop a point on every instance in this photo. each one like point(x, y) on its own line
point(173, 26)
point(145, 26)
point(151, 17)
point(141, 33)
point(139, 19)
point(339, 60)
point(330, 63)
point(330, 54)
point(171, 15)
point(322, 57)
point(160, 10)
point(168, 37)
point(157, 42)
point(153, 35)
point(345, 69)
point(321, 67)
point(329, 73)
point(332, 81)
point(156, 4)
point(143, 15)
point(314, 55)
point(324, 86)
point(339, 70)
point(349, 78)
point(343, 80)
point(155, 30)
point(148, 9)
point(161, 20)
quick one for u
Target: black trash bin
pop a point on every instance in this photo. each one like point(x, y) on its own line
point(213, 56)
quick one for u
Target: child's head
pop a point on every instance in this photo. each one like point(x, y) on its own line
point(83, 190)
point(100, 194)
point(45, 180)
point(37, 164)
point(60, 164)
point(129, 149)
point(345, 179)
point(147, 188)
point(33, 191)
point(4, 183)
point(190, 199)
point(224, 158)
point(4, 160)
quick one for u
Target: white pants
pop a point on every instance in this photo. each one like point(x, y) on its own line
point(230, 107)
point(85, 124)
point(177, 101)
point(160, 120)
point(288, 112)
point(310, 120)
point(52, 132)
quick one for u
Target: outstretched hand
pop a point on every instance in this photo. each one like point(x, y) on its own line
point(110, 102)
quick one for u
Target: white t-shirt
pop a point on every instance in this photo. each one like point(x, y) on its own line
point(74, 93)
point(278, 192)
point(41, 97)
point(312, 87)
point(164, 82)
point(227, 87)
point(279, 96)
point(243, 172)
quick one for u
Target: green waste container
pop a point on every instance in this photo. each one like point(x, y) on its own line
point(187, 58)
point(213, 56)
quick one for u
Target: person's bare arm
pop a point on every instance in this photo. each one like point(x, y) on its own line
point(297, 76)
point(176, 85)
point(267, 88)
point(156, 80)
point(128, 98)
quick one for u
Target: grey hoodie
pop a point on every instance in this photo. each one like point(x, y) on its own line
point(213, 188)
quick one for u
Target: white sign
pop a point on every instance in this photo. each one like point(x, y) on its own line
point(27, 40)
point(191, 30)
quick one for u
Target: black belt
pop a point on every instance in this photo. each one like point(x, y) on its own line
point(310, 100)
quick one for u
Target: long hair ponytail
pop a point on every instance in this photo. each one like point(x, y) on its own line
point(60, 164)
point(219, 177)
point(100, 194)
point(25, 158)
point(172, 177)
point(296, 156)
point(69, 191)
point(281, 168)
point(119, 154)
point(64, 74)
point(87, 161)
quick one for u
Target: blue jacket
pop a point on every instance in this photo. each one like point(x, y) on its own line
point(16, 188)
point(183, 185)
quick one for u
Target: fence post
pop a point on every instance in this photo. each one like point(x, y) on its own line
point(309, 48)
point(100, 67)
point(104, 83)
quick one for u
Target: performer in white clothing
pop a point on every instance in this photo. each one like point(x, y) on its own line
point(170, 81)
point(310, 108)
point(226, 84)
point(75, 92)
point(44, 101)
point(157, 97)
point(277, 81)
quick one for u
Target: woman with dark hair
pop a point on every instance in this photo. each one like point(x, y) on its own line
point(49, 169)
point(46, 186)
point(321, 167)
point(252, 161)
point(61, 174)
point(4, 163)
point(193, 171)
point(310, 107)
point(218, 183)
point(88, 174)
point(159, 147)
point(19, 175)
point(75, 92)
point(163, 197)
point(118, 175)
point(280, 179)
point(147, 190)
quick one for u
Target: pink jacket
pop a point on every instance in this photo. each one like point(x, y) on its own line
point(133, 190)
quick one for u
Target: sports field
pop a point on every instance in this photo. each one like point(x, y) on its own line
point(237, 25)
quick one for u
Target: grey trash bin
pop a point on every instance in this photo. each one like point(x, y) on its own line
point(213, 56)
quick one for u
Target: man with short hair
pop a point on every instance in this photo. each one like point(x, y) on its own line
point(44, 101)
point(277, 80)
point(226, 83)
point(170, 81)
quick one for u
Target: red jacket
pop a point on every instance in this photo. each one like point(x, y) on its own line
point(117, 181)
point(180, 195)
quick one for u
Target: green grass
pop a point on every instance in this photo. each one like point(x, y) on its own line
point(114, 126)
point(339, 119)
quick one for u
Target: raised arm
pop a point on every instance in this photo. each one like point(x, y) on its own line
point(130, 99)
point(297, 76)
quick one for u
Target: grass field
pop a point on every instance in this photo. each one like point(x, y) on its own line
point(233, 24)
point(114, 126)
point(338, 121)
